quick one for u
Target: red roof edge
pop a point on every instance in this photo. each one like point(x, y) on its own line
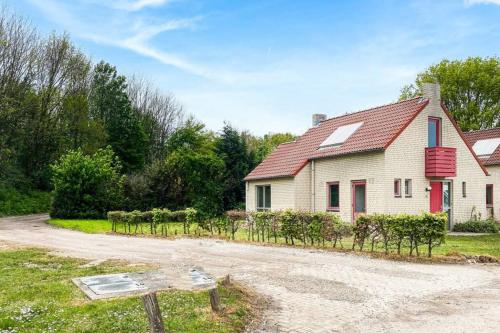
point(266, 177)
point(406, 125)
point(448, 114)
point(296, 171)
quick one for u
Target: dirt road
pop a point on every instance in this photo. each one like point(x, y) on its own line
point(310, 291)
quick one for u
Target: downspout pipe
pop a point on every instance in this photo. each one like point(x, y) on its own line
point(313, 186)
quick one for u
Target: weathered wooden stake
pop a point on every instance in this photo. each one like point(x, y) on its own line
point(214, 299)
point(153, 311)
point(226, 281)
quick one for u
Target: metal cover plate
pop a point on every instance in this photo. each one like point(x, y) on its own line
point(112, 283)
point(201, 279)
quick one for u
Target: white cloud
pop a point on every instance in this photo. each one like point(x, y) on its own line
point(482, 2)
point(133, 6)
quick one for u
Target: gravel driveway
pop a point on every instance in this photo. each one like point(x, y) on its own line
point(310, 291)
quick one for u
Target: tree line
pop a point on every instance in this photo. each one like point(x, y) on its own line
point(470, 89)
point(55, 102)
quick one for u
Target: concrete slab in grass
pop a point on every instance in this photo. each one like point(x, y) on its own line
point(121, 284)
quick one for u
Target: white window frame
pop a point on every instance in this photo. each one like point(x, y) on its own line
point(264, 197)
point(408, 188)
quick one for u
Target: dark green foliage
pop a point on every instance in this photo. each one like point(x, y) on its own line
point(476, 226)
point(193, 172)
point(86, 186)
point(110, 104)
point(53, 100)
point(14, 202)
point(232, 149)
point(470, 89)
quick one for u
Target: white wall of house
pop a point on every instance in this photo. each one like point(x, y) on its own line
point(494, 178)
point(303, 189)
point(366, 166)
point(282, 193)
point(405, 158)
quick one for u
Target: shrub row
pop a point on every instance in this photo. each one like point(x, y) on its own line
point(156, 217)
point(401, 230)
point(313, 228)
point(388, 231)
point(377, 230)
point(477, 226)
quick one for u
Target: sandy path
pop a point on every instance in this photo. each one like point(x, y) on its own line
point(311, 291)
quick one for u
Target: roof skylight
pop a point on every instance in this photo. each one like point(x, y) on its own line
point(340, 135)
point(486, 147)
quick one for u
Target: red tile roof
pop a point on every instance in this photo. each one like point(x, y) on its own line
point(474, 136)
point(381, 126)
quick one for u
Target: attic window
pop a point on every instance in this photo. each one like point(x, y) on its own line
point(340, 135)
point(486, 147)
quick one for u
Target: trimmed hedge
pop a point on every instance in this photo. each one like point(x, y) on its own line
point(156, 217)
point(477, 226)
point(390, 232)
point(401, 230)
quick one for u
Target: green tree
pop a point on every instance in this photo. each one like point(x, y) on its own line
point(86, 186)
point(110, 104)
point(470, 89)
point(194, 171)
point(231, 148)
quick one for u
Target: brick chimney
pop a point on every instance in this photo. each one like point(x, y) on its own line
point(317, 118)
point(432, 92)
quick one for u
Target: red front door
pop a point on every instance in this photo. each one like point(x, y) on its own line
point(436, 197)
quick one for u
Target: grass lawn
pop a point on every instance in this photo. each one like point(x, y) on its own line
point(470, 245)
point(37, 295)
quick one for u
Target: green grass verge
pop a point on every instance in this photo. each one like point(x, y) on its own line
point(467, 245)
point(14, 202)
point(37, 295)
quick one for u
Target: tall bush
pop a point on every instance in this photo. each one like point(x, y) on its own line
point(86, 186)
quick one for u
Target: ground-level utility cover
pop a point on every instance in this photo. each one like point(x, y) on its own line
point(201, 279)
point(122, 284)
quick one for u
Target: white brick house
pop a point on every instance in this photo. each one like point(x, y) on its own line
point(405, 157)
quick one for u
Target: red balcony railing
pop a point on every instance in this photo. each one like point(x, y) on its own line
point(440, 162)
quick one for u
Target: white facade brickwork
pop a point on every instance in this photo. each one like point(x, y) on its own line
point(405, 158)
point(367, 166)
point(282, 193)
point(494, 178)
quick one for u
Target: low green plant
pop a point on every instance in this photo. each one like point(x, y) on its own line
point(116, 217)
point(476, 227)
point(16, 202)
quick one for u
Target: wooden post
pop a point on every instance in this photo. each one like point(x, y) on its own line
point(226, 281)
point(214, 299)
point(153, 311)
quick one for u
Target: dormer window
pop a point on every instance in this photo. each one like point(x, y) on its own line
point(340, 135)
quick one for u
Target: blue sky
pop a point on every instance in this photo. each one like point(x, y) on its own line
point(267, 66)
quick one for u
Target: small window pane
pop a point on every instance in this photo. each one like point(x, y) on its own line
point(433, 132)
point(334, 196)
point(397, 187)
point(489, 195)
point(464, 189)
point(260, 196)
point(407, 187)
point(267, 196)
